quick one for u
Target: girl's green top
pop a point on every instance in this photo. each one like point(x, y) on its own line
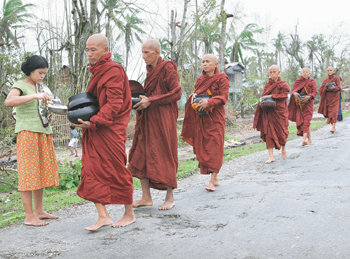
point(27, 114)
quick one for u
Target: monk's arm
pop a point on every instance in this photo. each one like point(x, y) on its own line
point(338, 86)
point(313, 92)
point(221, 98)
point(171, 80)
point(282, 92)
point(114, 93)
point(323, 88)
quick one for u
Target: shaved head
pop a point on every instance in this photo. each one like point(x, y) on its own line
point(274, 67)
point(98, 39)
point(305, 69)
point(330, 71)
point(209, 64)
point(96, 47)
point(211, 57)
point(305, 72)
point(152, 44)
point(274, 72)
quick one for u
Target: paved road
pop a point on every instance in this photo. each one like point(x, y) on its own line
point(293, 208)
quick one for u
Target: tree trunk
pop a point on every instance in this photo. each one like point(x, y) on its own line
point(223, 37)
point(173, 35)
point(180, 43)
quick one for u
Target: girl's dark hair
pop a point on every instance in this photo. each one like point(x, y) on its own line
point(32, 63)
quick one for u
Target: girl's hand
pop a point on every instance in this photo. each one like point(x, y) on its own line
point(42, 96)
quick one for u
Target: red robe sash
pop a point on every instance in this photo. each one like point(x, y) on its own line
point(302, 115)
point(104, 176)
point(329, 104)
point(153, 154)
point(206, 132)
point(273, 124)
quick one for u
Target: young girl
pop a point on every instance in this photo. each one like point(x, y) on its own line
point(36, 159)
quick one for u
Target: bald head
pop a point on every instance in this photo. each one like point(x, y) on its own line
point(330, 71)
point(305, 72)
point(153, 45)
point(98, 39)
point(274, 67)
point(209, 64)
point(96, 47)
point(151, 52)
point(211, 57)
point(274, 72)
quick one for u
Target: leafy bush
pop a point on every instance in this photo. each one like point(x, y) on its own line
point(70, 174)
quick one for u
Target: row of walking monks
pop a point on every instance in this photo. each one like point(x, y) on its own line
point(273, 123)
point(107, 173)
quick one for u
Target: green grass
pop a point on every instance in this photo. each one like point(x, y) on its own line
point(346, 114)
point(187, 168)
point(11, 209)
point(230, 154)
point(54, 199)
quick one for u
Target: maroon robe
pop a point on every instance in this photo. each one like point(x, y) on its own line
point(104, 176)
point(206, 132)
point(153, 154)
point(329, 104)
point(302, 114)
point(273, 124)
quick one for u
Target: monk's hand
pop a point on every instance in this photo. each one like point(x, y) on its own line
point(192, 97)
point(332, 88)
point(306, 99)
point(296, 95)
point(84, 124)
point(203, 105)
point(143, 104)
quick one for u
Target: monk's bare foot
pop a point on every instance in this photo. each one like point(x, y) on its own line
point(210, 187)
point(45, 215)
point(124, 221)
point(269, 161)
point(35, 222)
point(106, 221)
point(332, 131)
point(284, 154)
point(167, 205)
point(310, 141)
point(216, 182)
point(304, 143)
point(142, 203)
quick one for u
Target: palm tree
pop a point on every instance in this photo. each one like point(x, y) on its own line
point(294, 48)
point(278, 44)
point(130, 30)
point(14, 14)
point(243, 41)
point(209, 33)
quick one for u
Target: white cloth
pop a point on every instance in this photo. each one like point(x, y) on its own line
point(73, 143)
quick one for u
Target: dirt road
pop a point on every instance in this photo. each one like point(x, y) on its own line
point(293, 208)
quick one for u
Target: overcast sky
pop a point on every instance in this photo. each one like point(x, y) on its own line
point(312, 16)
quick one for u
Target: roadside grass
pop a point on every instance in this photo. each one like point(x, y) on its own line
point(11, 209)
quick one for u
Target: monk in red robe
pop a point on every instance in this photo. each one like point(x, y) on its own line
point(104, 176)
point(153, 156)
point(204, 124)
point(329, 92)
point(301, 104)
point(273, 124)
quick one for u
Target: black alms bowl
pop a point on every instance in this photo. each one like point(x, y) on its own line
point(81, 100)
point(268, 103)
point(200, 97)
point(82, 106)
point(84, 113)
